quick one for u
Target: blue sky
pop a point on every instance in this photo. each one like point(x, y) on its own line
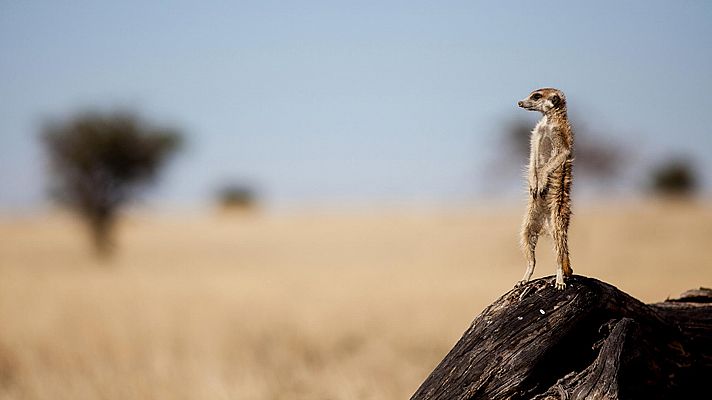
point(325, 102)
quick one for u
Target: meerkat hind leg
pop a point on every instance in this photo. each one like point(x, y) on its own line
point(559, 227)
point(531, 228)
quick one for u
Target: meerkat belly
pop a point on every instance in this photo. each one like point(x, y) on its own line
point(546, 150)
point(559, 182)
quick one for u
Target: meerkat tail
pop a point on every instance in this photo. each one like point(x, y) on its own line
point(566, 265)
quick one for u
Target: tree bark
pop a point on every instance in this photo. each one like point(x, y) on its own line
point(589, 341)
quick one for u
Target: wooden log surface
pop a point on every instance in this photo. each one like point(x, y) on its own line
point(589, 341)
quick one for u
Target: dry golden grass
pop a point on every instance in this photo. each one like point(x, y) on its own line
point(302, 306)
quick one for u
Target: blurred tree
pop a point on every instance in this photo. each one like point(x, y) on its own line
point(237, 197)
point(595, 156)
point(101, 161)
point(675, 177)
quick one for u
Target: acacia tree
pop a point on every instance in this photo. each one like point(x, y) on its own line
point(595, 156)
point(100, 162)
point(599, 158)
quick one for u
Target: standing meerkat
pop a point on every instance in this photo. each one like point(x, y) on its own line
point(549, 177)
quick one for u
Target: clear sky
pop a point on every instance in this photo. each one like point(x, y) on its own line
point(328, 102)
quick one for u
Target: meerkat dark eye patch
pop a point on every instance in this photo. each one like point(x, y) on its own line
point(536, 96)
point(555, 99)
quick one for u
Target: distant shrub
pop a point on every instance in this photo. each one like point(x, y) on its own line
point(674, 178)
point(237, 196)
point(101, 161)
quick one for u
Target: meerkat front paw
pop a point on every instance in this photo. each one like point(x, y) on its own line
point(533, 192)
point(560, 285)
point(521, 283)
point(533, 184)
point(543, 191)
point(542, 186)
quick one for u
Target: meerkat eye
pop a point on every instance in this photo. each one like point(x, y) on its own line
point(536, 96)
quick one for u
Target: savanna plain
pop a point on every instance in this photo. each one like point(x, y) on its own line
point(295, 305)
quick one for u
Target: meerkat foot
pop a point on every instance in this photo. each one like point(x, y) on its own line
point(521, 283)
point(559, 284)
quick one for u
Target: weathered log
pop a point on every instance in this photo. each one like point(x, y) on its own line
point(589, 341)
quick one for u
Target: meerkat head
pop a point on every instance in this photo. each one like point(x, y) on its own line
point(544, 100)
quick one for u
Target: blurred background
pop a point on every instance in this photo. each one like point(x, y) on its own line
point(312, 200)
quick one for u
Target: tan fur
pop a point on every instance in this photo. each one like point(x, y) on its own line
point(550, 178)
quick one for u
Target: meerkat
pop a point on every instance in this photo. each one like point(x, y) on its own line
point(549, 177)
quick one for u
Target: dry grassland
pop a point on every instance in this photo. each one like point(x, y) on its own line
point(300, 306)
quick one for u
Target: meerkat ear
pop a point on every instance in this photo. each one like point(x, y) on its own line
point(555, 100)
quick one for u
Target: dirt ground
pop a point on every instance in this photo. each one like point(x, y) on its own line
point(301, 305)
